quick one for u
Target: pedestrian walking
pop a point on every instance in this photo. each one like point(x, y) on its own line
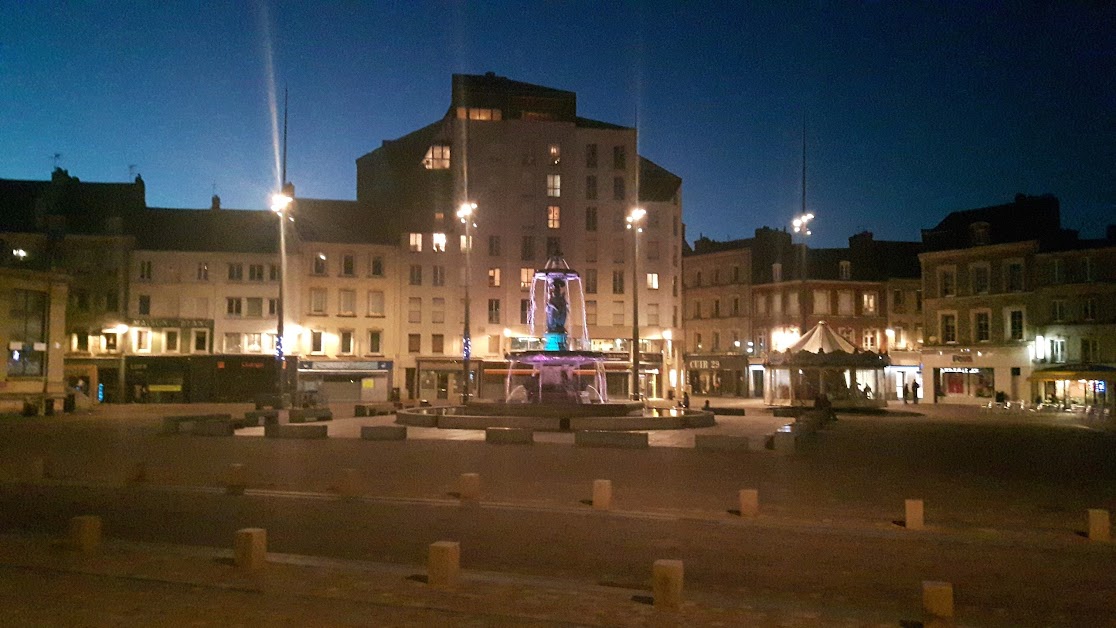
point(914, 392)
point(906, 393)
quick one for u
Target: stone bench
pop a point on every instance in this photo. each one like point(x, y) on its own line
point(269, 417)
point(383, 432)
point(306, 415)
point(604, 438)
point(296, 431)
point(173, 424)
point(721, 442)
point(372, 409)
point(726, 411)
point(509, 436)
point(786, 412)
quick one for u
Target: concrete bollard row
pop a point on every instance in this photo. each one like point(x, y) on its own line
point(914, 516)
point(85, 533)
point(749, 502)
point(236, 479)
point(1100, 525)
point(469, 486)
point(443, 565)
point(666, 584)
point(250, 548)
point(602, 494)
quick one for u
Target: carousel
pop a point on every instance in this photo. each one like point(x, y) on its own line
point(824, 363)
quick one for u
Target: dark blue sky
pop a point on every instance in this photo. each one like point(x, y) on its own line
point(912, 109)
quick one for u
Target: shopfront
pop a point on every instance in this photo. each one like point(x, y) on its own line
point(345, 381)
point(966, 382)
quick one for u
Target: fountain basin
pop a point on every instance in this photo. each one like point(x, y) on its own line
point(627, 415)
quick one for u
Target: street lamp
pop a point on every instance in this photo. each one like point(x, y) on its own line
point(465, 214)
point(635, 224)
point(280, 203)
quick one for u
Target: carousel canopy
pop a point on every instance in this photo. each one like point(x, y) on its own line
point(1075, 371)
point(821, 346)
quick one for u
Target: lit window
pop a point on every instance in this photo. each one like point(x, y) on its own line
point(416, 242)
point(347, 303)
point(143, 340)
point(494, 277)
point(437, 157)
point(526, 276)
point(375, 303)
point(554, 185)
point(869, 303)
point(652, 281)
point(553, 217)
point(254, 342)
point(949, 327)
point(438, 243)
point(555, 154)
point(871, 339)
point(466, 243)
point(317, 301)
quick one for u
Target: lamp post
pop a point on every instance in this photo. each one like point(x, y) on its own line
point(801, 225)
point(280, 203)
point(465, 214)
point(635, 224)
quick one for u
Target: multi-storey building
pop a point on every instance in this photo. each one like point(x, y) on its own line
point(717, 283)
point(545, 183)
point(791, 288)
point(1007, 291)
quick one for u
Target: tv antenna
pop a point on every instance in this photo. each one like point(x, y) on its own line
point(56, 158)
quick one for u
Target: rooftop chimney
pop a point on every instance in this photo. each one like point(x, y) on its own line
point(215, 203)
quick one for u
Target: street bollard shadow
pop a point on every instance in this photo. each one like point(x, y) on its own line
point(644, 599)
point(419, 578)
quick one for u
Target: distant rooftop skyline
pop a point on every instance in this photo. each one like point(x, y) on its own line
point(911, 112)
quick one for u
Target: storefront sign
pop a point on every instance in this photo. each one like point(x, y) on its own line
point(960, 369)
point(372, 365)
point(964, 359)
point(172, 322)
point(705, 364)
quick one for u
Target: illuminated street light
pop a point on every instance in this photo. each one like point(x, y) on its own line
point(801, 224)
point(280, 204)
point(635, 223)
point(465, 213)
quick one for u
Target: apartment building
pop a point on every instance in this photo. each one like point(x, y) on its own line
point(545, 182)
point(789, 289)
point(1007, 292)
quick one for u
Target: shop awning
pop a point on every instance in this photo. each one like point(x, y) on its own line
point(1063, 372)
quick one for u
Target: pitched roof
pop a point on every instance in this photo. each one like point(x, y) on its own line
point(343, 222)
point(656, 184)
point(822, 339)
point(231, 230)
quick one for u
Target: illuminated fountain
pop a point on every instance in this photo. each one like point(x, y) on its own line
point(561, 385)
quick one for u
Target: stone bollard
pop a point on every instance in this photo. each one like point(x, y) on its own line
point(914, 519)
point(468, 487)
point(1100, 525)
point(443, 565)
point(85, 533)
point(602, 494)
point(749, 502)
point(666, 584)
point(138, 472)
point(250, 548)
point(236, 479)
point(937, 604)
point(349, 485)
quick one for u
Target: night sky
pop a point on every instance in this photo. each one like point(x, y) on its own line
point(912, 109)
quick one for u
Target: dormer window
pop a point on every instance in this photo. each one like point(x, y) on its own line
point(845, 270)
point(437, 157)
point(979, 233)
